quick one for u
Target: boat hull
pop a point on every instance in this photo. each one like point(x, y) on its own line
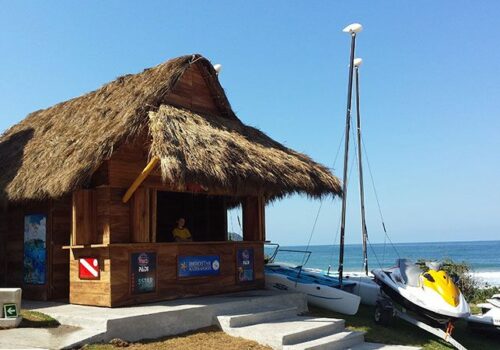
point(365, 287)
point(489, 320)
point(324, 296)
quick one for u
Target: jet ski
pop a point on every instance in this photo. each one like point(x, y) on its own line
point(489, 319)
point(431, 294)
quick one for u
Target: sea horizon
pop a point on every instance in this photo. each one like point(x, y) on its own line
point(482, 256)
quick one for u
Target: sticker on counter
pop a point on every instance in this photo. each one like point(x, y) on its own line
point(198, 265)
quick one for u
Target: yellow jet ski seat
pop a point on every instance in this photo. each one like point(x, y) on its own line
point(410, 272)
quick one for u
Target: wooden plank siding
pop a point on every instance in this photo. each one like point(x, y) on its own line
point(3, 239)
point(193, 93)
point(58, 235)
point(140, 216)
point(84, 228)
point(61, 224)
point(90, 292)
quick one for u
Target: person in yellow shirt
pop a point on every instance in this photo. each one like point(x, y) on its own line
point(181, 233)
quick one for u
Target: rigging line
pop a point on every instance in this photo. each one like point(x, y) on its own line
point(376, 196)
point(338, 151)
point(383, 256)
point(312, 232)
point(373, 251)
point(321, 201)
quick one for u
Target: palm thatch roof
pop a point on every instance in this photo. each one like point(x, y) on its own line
point(56, 150)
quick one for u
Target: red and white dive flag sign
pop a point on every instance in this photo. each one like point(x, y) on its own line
point(88, 268)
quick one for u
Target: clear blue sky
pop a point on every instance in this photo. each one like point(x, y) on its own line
point(430, 92)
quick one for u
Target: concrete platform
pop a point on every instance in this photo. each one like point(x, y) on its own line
point(268, 317)
point(88, 324)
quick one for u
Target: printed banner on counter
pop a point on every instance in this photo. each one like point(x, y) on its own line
point(245, 264)
point(199, 265)
point(143, 270)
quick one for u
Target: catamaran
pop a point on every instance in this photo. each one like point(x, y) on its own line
point(341, 292)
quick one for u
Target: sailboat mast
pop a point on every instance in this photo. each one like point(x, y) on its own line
point(357, 63)
point(352, 29)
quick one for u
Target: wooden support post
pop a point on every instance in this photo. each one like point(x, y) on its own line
point(154, 213)
point(140, 216)
point(262, 206)
point(84, 228)
point(253, 219)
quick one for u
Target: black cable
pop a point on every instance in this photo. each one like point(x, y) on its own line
point(376, 198)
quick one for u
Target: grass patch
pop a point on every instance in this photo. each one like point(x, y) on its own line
point(209, 338)
point(34, 319)
point(402, 333)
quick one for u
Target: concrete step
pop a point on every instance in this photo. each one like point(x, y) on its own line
point(291, 331)
point(265, 315)
point(337, 341)
point(376, 346)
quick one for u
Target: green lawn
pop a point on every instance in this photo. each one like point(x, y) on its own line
point(402, 333)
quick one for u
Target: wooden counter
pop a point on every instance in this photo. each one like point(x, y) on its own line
point(114, 285)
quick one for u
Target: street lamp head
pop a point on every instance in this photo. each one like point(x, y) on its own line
point(358, 62)
point(218, 68)
point(353, 28)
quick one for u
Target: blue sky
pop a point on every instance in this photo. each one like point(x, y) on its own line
point(429, 86)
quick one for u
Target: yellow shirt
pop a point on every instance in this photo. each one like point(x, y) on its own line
point(182, 233)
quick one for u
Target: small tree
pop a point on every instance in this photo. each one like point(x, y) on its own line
point(461, 272)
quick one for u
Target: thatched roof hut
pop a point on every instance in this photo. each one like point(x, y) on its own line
point(56, 151)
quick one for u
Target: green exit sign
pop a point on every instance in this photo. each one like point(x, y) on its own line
point(10, 311)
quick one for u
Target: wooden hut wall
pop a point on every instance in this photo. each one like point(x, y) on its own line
point(3, 235)
point(58, 228)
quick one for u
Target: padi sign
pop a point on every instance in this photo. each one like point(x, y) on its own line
point(199, 265)
point(10, 311)
point(143, 272)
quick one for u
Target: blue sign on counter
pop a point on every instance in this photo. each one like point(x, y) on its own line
point(198, 265)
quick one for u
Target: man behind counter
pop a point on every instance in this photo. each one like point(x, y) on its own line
point(181, 233)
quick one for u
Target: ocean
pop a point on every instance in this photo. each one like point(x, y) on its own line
point(482, 256)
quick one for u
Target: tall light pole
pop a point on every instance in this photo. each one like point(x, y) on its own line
point(364, 231)
point(353, 30)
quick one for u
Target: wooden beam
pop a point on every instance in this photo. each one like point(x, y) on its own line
point(140, 179)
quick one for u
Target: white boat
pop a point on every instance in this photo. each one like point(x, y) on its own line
point(365, 286)
point(489, 319)
point(322, 291)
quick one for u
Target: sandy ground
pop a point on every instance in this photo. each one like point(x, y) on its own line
point(209, 338)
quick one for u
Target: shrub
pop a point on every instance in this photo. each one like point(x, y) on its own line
point(461, 272)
